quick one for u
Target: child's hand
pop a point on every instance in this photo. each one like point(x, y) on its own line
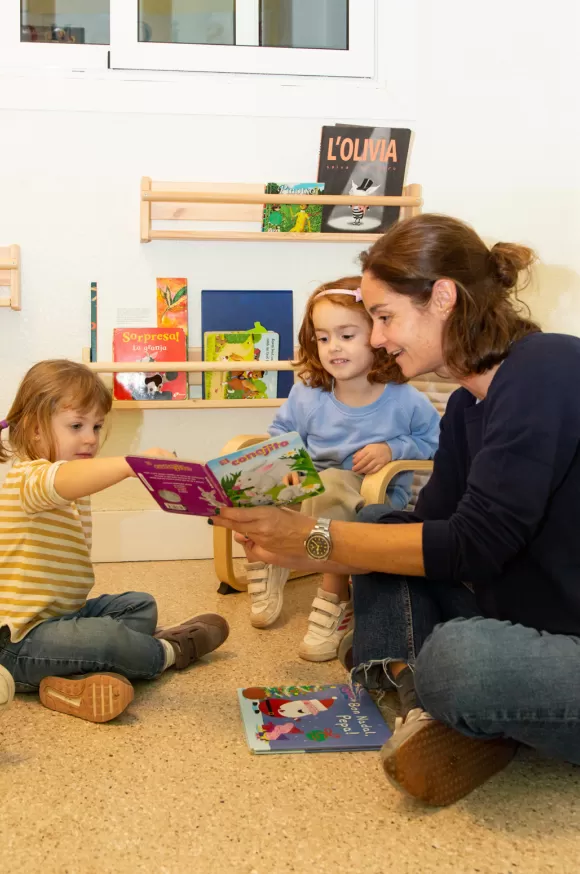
point(371, 458)
point(156, 452)
point(291, 479)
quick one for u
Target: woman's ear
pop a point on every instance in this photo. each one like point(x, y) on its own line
point(444, 296)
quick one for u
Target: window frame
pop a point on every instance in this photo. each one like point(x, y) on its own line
point(37, 55)
point(126, 55)
point(358, 61)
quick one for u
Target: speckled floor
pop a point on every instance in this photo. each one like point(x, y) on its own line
point(171, 787)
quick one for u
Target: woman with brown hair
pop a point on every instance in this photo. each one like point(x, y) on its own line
point(469, 606)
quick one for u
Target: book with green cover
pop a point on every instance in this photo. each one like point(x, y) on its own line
point(253, 345)
point(293, 218)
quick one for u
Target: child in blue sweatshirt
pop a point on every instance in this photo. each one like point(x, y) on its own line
point(354, 414)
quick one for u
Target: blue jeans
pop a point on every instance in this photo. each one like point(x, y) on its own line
point(110, 633)
point(484, 677)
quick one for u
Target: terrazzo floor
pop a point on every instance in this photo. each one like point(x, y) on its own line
point(171, 786)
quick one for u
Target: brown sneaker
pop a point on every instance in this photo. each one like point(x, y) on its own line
point(94, 697)
point(431, 761)
point(195, 637)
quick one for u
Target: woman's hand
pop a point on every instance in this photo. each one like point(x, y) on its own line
point(371, 458)
point(276, 530)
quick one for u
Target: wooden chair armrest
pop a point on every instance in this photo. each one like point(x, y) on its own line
point(222, 538)
point(374, 487)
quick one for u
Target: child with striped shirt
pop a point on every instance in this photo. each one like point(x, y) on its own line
point(80, 653)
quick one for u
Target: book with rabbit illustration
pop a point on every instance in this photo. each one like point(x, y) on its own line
point(276, 471)
point(311, 719)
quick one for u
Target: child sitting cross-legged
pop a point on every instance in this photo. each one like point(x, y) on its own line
point(354, 415)
point(80, 654)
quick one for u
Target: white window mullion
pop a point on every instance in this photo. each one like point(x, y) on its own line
point(247, 22)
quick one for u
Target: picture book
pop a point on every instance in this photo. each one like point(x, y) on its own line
point(254, 345)
point(292, 218)
point(363, 161)
point(251, 477)
point(311, 719)
point(171, 297)
point(149, 345)
point(224, 310)
point(93, 321)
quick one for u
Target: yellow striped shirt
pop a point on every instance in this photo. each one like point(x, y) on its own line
point(45, 548)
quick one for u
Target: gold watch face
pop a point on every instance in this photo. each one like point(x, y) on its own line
point(318, 546)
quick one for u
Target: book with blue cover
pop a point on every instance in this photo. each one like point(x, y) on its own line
point(311, 719)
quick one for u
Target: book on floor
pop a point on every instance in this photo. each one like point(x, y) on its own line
point(311, 719)
point(149, 345)
point(293, 218)
point(254, 345)
point(363, 161)
point(251, 477)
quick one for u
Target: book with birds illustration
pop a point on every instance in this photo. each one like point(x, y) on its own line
point(276, 471)
point(171, 297)
point(293, 218)
point(311, 719)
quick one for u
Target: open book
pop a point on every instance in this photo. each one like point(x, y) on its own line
point(251, 477)
point(311, 719)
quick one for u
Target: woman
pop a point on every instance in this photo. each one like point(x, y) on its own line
point(472, 608)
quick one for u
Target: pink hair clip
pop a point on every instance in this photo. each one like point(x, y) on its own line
point(4, 424)
point(356, 294)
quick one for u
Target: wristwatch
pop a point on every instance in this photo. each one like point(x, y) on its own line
point(319, 542)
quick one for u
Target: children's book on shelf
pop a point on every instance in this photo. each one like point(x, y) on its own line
point(172, 304)
point(293, 218)
point(93, 321)
point(311, 719)
point(252, 477)
point(149, 345)
point(224, 310)
point(363, 161)
point(254, 345)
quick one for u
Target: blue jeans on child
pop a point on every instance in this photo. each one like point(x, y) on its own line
point(484, 677)
point(110, 633)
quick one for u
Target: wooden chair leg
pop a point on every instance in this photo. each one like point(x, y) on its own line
point(223, 560)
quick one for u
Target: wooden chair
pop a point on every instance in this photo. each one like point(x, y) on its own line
point(373, 491)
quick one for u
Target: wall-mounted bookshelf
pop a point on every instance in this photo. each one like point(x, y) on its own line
point(10, 276)
point(231, 202)
point(195, 368)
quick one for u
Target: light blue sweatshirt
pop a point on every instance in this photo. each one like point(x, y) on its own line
point(332, 431)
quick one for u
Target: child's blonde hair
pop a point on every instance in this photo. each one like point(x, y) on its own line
point(48, 388)
point(384, 368)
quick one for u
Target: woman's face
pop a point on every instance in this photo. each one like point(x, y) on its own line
point(413, 334)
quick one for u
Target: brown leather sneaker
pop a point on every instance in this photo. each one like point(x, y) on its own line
point(431, 761)
point(195, 637)
point(94, 697)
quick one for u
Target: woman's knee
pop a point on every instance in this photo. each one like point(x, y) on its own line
point(451, 667)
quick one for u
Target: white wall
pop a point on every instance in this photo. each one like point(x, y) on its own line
point(496, 144)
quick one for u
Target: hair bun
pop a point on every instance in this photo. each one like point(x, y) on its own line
point(507, 260)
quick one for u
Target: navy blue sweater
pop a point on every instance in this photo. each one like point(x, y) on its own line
point(502, 508)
